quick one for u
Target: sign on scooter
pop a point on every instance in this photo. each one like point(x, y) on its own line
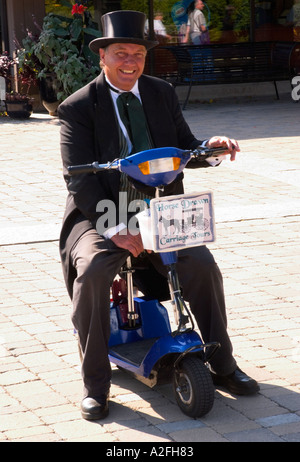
point(177, 222)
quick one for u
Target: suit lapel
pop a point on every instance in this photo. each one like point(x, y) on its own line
point(149, 98)
point(156, 114)
point(107, 134)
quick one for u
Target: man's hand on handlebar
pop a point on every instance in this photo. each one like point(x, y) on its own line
point(130, 242)
point(231, 145)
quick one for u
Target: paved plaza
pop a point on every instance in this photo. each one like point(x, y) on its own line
point(257, 211)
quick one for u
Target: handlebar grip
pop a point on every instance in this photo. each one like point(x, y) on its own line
point(86, 168)
point(215, 152)
point(202, 152)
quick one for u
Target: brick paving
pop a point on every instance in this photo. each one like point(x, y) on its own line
point(257, 202)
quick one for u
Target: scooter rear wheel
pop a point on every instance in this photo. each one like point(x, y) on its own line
point(193, 387)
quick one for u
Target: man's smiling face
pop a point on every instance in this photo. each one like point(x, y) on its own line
point(123, 63)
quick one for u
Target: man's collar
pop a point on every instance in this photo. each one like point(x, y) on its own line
point(134, 90)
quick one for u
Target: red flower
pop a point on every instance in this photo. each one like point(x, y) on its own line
point(78, 9)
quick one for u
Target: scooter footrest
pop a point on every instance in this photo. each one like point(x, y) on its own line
point(133, 352)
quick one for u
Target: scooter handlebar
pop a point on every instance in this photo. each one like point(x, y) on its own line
point(85, 168)
point(202, 152)
point(92, 168)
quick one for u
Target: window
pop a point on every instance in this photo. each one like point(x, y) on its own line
point(228, 21)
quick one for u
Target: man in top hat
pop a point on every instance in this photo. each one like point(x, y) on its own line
point(92, 130)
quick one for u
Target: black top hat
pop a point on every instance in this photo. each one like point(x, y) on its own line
point(122, 27)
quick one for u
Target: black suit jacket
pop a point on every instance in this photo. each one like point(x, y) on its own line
point(89, 132)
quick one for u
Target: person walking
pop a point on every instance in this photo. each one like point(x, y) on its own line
point(196, 29)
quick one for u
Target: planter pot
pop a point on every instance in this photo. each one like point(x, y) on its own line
point(48, 92)
point(51, 107)
point(18, 109)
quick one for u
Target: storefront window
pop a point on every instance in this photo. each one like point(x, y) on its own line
point(231, 21)
point(228, 21)
point(277, 20)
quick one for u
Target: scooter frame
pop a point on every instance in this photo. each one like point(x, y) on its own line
point(163, 354)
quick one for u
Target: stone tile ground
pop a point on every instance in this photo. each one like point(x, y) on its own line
point(257, 217)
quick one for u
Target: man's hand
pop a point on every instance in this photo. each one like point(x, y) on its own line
point(129, 242)
point(218, 141)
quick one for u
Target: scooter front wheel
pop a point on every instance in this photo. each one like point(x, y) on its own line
point(193, 387)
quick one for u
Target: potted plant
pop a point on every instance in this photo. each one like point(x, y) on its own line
point(59, 55)
point(17, 103)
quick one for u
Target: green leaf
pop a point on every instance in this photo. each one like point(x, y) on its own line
point(76, 28)
point(93, 32)
point(61, 32)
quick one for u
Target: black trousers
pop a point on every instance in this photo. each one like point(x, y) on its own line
point(98, 261)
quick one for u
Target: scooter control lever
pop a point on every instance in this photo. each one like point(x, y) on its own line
point(202, 152)
point(93, 168)
point(86, 168)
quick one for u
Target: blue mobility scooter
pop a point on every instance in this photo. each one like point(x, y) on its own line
point(142, 341)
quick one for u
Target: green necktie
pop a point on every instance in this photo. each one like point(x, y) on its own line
point(133, 117)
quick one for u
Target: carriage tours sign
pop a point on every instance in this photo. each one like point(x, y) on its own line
point(178, 222)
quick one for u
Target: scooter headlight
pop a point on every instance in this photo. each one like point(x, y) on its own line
point(165, 164)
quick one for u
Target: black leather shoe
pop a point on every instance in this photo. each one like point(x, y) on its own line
point(237, 383)
point(94, 408)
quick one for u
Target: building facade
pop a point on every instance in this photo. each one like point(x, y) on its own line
point(229, 21)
